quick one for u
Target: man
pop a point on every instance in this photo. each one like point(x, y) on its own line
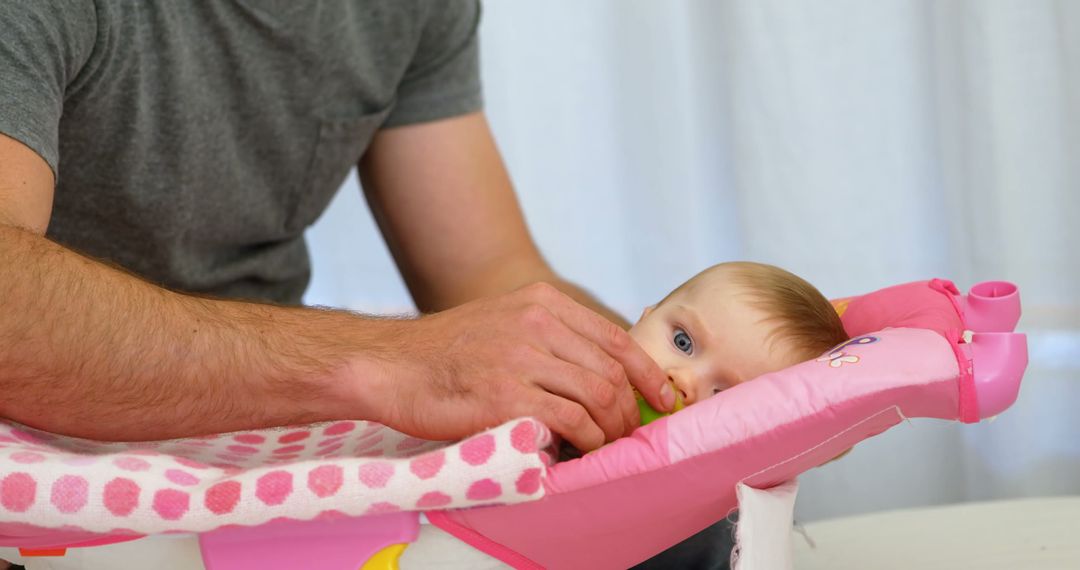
point(192, 145)
point(159, 163)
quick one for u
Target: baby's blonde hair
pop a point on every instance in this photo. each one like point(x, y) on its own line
point(804, 319)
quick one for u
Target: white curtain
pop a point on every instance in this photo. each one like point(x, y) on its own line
point(858, 144)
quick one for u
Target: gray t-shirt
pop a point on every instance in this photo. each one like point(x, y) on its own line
point(194, 142)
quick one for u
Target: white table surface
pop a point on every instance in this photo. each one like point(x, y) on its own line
point(1024, 534)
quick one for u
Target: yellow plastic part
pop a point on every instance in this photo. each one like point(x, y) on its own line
point(649, 414)
point(385, 559)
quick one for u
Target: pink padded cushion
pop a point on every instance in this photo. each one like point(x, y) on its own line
point(921, 304)
point(671, 478)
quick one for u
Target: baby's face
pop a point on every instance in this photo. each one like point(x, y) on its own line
point(708, 337)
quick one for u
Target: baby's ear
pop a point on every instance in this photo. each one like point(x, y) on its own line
point(645, 312)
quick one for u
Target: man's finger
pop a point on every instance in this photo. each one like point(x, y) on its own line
point(595, 394)
point(566, 418)
point(641, 371)
point(577, 350)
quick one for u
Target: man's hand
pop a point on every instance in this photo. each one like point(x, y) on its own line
point(534, 352)
point(448, 212)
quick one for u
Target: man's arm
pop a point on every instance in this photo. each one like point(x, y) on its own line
point(447, 209)
point(92, 351)
point(584, 297)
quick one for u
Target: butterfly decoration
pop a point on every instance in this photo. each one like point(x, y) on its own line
point(837, 357)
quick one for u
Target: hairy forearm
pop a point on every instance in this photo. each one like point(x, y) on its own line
point(91, 351)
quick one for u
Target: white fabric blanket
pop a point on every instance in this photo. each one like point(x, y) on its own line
point(196, 485)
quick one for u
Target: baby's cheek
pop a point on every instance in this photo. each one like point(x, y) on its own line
point(650, 348)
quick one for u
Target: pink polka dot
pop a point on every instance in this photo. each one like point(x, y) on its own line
point(382, 508)
point(369, 444)
point(289, 449)
point(69, 493)
point(294, 436)
point(80, 460)
point(432, 500)
point(329, 449)
point(410, 443)
point(123, 531)
point(428, 465)
point(228, 468)
point(26, 436)
point(286, 457)
point(190, 463)
point(6, 439)
point(121, 496)
point(523, 437)
point(171, 504)
point(17, 492)
point(477, 450)
point(330, 515)
point(27, 457)
point(243, 449)
point(274, 487)
point(483, 490)
point(181, 477)
point(252, 438)
point(231, 458)
point(131, 463)
point(376, 474)
point(325, 480)
point(223, 497)
point(339, 428)
point(529, 481)
point(330, 441)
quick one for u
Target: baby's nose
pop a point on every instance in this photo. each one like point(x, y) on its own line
point(684, 385)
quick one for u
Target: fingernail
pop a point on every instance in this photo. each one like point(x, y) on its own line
point(667, 396)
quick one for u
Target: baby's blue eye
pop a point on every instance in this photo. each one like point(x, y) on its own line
point(683, 342)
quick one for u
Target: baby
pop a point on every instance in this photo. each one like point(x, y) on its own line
point(734, 322)
point(728, 324)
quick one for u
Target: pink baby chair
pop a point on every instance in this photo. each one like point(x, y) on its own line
point(917, 350)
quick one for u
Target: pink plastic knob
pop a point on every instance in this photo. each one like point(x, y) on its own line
point(999, 361)
point(992, 306)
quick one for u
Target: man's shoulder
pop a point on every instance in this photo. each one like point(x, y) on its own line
point(44, 45)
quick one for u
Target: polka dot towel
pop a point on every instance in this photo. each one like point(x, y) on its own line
point(196, 485)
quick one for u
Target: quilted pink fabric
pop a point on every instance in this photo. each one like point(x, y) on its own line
point(196, 485)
